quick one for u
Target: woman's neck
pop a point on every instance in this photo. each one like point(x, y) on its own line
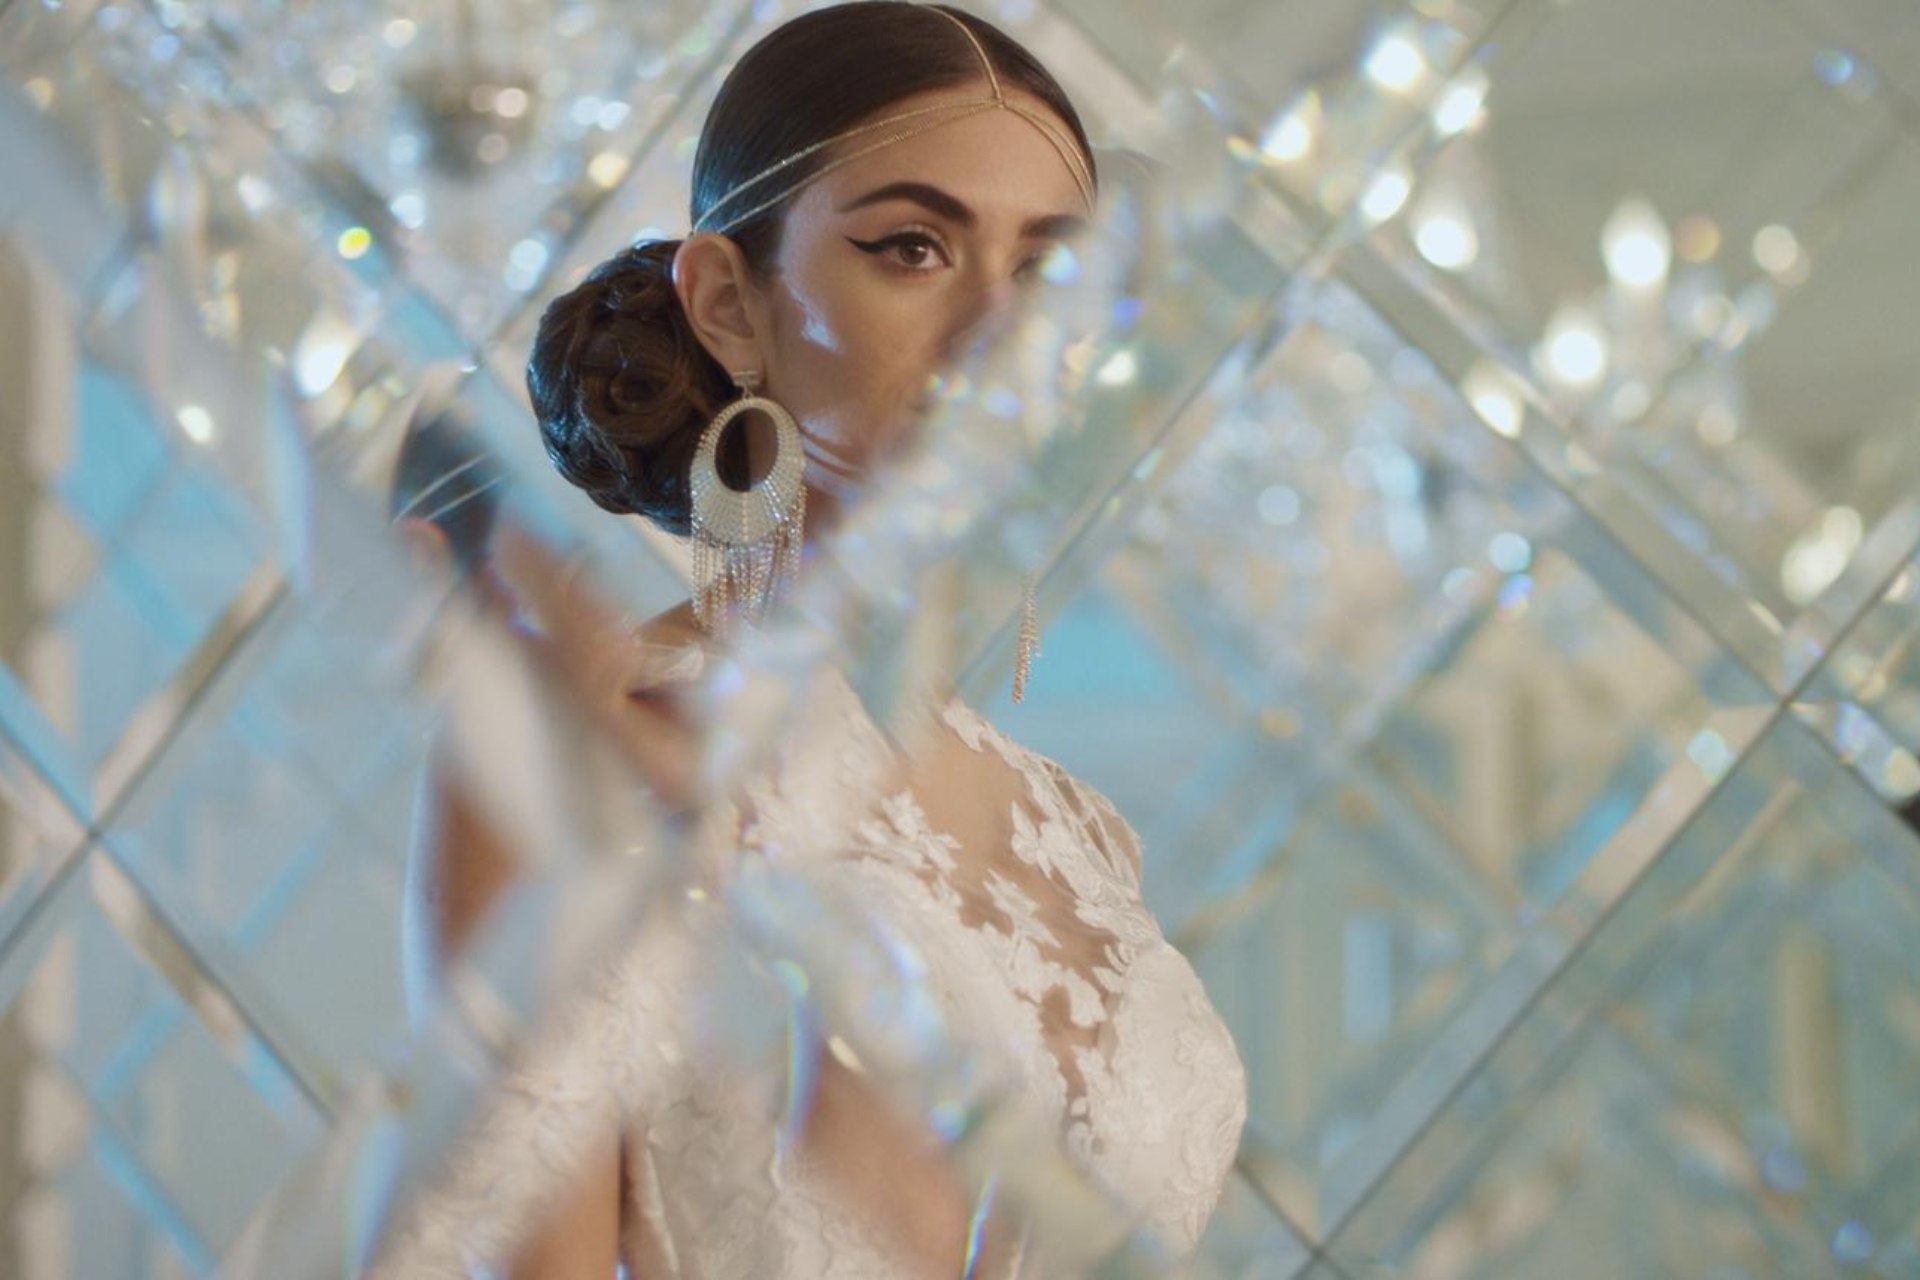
point(825, 509)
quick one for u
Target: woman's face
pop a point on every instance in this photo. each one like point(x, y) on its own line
point(889, 262)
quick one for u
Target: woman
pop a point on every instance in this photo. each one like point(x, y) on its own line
point(874, 183)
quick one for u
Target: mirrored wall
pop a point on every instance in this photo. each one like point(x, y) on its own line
point(1476, 522)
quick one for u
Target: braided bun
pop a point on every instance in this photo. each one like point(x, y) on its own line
point(622, 387)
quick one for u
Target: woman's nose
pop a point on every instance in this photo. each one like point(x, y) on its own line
point(986, 318)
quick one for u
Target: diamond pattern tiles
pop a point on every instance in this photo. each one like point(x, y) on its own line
point(1510, 664)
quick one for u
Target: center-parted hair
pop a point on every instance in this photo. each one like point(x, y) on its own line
point(619, 382)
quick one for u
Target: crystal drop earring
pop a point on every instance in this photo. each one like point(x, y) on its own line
point(1029, 639)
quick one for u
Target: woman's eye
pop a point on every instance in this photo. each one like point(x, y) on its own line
point(909, 249)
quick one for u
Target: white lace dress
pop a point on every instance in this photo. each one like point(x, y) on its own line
point(1018, 889)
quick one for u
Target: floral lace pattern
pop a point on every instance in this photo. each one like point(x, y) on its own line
point(1110, 1019)
point(1020, 888)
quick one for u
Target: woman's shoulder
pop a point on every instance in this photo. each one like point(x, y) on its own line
point(674, 628)
point(667, 650)
point(1051, 784)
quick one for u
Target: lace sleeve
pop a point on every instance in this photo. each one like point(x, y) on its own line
point(1118, 833)
point(612, 1055)
point(1052, 790)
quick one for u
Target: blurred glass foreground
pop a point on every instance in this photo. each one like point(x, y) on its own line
point(1476, 483)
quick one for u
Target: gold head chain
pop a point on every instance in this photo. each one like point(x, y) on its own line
point(905, 124)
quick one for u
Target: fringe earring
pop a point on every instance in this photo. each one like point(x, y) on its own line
point(745, 543)
point(1029, 639)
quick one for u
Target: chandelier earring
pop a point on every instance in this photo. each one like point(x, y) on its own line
point(746, 542)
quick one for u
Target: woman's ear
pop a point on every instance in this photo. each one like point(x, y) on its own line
point(717, 293)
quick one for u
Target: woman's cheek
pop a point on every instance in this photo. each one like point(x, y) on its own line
point(816, 323)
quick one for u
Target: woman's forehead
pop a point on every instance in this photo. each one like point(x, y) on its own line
point(997, 162)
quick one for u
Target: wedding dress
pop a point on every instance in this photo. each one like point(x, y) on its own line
point(1017, 889)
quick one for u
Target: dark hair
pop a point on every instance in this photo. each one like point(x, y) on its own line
point(620, 383)
point(446, 476)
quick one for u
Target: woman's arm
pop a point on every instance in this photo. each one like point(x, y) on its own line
point(461, 866)
point(581, 1236)
point(457, 870)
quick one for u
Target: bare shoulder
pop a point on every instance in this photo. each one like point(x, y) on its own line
point(666, 651)
point(673, 626)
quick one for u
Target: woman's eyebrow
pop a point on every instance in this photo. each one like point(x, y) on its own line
point(952, 208)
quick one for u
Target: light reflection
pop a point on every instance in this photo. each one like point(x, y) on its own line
point(1447, 239)
point(1711, 754)
point(1279, 505)
point(1696, 238)
point(1900, 775)
point(321, 353)
point(1515, 594)
point(410, 209)
point(196, 422)
point(1492, 395)
point(1834, 66)
point(526, 261)
point(1509, 552)
point(1385, 195)
point(1574, 349)
point(1395, 64)
point(1349, 371)
point(254, 193)
point(1119, 369)
point(1637, 246)
point(1711, 314)
point(1462, 106)
point(1288, 139)
point(1717, 425)
point(607, 169)
point(1818, 557)
point(1061, 266)
point(1630, 400)
point(1777, 251)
